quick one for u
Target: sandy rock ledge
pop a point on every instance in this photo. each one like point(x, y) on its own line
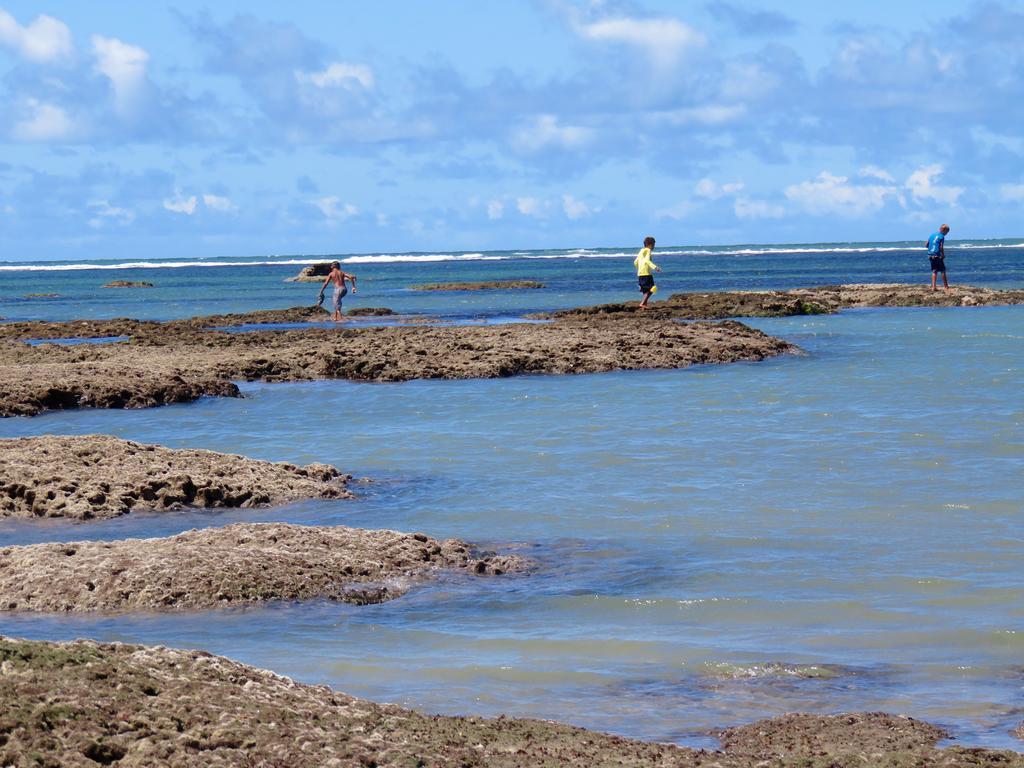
point(236, 564)
point(85, 703)
point(99, 476)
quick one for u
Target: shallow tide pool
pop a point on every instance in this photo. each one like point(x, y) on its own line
point(839, 530)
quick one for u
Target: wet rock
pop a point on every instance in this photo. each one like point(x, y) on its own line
point(314, 273)
point(182, 360)
point(237, 564)
point(128, 284)
point(73, 702)
point(800, 734)
point(483, 285)
point(98, 476)
point(803, 301)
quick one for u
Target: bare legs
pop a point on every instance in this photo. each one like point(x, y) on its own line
point(945, 282)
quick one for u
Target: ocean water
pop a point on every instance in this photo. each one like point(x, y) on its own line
point(186, 287)
point(833, 531)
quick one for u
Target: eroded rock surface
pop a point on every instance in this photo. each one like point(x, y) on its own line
point(314, 273)
point(481, 285)
point(803, 301)
point(99, 476)
point(236, 564)
point(83, 703)
point(190, 359)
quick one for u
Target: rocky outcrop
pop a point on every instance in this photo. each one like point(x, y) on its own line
point(314, 273)
point(198, 360)
point(128, 284)
point(237, 564)
point(86, 703)
point(98, 476)
point(61, 380)
point(483, 285)
point(801, 301)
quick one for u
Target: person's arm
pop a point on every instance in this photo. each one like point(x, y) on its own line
point(352, 279)
point(326, 281)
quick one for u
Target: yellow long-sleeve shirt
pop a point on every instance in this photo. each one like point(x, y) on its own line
point(643, 263)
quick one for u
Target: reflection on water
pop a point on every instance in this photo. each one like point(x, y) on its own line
point(836, 531)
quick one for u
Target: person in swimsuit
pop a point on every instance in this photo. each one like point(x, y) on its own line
point(937, 255)
point(337, 277)
point(644, 265)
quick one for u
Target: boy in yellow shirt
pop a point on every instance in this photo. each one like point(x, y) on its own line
point(644, 265)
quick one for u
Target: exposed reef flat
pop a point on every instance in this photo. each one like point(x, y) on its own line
point(128, 284)
point(802, 301)
point(237, 564)
point(182, 360)
point(98, 476)
point(86, 703)
point(483, 285)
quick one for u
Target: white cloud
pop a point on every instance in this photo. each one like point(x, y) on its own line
point(495, 209)
point(218, 203)
point(710, 114)
point(335, 210)
point(46, 123)
point(382, 220)
point(339, 75)
point(45, 39)
point(713, 191)
point(676, 212)
point(185, 205)
point(575, 209)
point(664, 40)
point(545, 131)
point(1012, 192)
point(745, 208)
point(921, 184)
point(124, 65)
point(829, 194)
point(104, 212)
point(528, 206)
point(874, 172)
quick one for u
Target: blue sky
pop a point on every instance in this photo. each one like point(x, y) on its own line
point(246, 128)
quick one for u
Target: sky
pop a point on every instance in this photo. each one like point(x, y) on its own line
point(148, 130)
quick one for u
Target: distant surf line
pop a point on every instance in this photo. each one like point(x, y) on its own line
point(412, 258)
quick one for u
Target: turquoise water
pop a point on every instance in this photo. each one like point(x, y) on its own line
point(701, 536)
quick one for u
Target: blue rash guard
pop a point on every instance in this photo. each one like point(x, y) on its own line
point(935, 244)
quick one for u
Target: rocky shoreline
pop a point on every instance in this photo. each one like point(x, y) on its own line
point(98, 476)
point(244, 563)
point(85, 703)
point(183, 360)
point(821, 300)
point(481, 285)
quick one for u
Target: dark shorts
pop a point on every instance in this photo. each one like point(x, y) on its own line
point(646, 283)
point(938, 263)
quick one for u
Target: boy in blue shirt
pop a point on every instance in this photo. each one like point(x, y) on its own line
point(937, 255)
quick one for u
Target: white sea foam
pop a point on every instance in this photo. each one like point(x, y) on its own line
point(417, 257)
point(574, 253)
